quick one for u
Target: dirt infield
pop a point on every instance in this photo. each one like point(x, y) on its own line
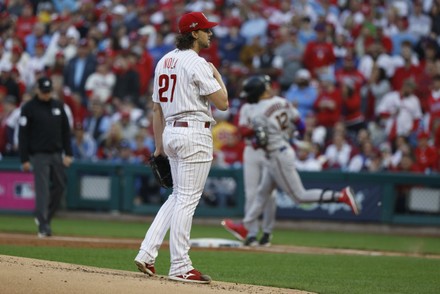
point(24, 275)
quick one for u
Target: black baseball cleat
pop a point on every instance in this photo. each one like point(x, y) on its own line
point(251, 241)
point(265, 240)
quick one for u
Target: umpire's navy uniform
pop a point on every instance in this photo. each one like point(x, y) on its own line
point(44, 137)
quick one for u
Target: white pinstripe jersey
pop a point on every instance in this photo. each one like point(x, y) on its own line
point(278, 116)
point(182, 79)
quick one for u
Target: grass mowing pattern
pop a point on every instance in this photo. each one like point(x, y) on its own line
point(126, 229)
point(318, 273)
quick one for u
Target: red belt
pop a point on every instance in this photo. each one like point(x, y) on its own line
point(184, 124)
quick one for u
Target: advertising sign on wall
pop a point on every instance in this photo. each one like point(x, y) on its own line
point(368, 197)
point(16, 191)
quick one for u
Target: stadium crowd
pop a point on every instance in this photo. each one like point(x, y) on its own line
point(364, 74)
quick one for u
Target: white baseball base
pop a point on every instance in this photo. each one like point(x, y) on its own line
point(214, 243)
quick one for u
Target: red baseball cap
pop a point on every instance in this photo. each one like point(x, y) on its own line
point(194, 21)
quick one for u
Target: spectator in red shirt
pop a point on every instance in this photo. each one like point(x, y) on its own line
point(381, 37)
point(319, 54)
point(351, 107)
point(25, 22)
point(407, 164)
point(436, 132)
point(425, 155)
point(350, 74)
point(409, 69)
point(434, 102)
point(231, 153)
point(143, 61)
point(328, 104)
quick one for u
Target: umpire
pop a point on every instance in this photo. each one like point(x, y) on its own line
point(45, 148)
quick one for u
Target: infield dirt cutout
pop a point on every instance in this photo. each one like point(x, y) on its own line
point(25, 275)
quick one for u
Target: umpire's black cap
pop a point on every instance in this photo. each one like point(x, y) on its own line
point(45, 84)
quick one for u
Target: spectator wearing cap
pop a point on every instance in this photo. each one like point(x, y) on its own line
point(44, 137)
point(83, 145)
point(319, 55)
point(19, 60)
point(425, 154)
point(99, 85)
point(129, 128)
point(147, 34)
point(302, 94)
point(118, 14)
point(400, 111)
point(79, 68)
point(59, 64)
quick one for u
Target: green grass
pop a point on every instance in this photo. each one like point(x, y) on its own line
point(317, 273)
point(136, 229)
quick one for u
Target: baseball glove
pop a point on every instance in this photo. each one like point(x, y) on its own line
point(161, 170)
point(260, 137)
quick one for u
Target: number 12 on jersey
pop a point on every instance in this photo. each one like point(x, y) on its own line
point(165, 83)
